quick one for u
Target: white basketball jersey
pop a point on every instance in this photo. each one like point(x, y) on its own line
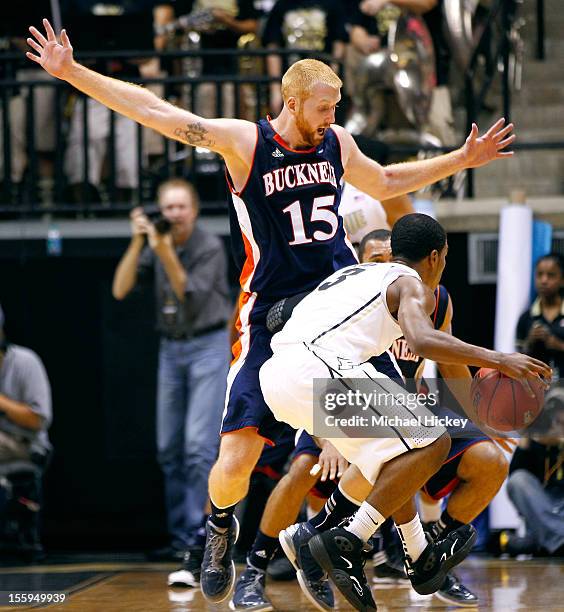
point(346, 318)
point(361, 213)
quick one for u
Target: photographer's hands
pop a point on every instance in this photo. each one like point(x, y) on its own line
point(141, 226)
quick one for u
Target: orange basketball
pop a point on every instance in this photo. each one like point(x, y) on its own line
point(502, 403)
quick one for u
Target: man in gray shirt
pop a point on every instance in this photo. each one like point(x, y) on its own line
point(25, 402)
point(25, 416)
point(188, 269)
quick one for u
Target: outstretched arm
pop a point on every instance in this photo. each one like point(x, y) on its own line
point(414, 302)
point(384, 182)
point(229, 137)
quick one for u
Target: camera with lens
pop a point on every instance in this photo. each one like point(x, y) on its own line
point(155, 216)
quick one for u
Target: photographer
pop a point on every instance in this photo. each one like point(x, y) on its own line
point(188, 269)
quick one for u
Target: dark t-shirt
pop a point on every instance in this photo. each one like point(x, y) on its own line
point(313, 25)
point(206, 302)
point(377, 25)
point(222, 38)
point(544, 462)
point(538, 350)
point(116, 25)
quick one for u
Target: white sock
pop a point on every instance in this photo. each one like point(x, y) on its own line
point(365, 521)
point(430, 511)
point(412, 538)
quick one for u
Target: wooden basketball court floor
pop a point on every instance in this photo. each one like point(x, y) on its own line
point(502, 585)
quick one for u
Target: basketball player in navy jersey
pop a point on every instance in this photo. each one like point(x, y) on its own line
point(285, 180)
point(475, 467)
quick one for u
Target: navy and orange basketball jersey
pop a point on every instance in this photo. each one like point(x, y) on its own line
point(407, 360)
point(286, 234)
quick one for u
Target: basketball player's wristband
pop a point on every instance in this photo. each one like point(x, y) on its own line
point(279, 314)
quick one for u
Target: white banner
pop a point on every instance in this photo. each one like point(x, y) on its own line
point(512, 299)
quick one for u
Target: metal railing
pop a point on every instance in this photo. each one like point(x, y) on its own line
point(30, 194)
point(27, 195)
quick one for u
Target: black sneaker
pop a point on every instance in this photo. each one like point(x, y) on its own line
point(249, 591)
point(524, 545)
point(281, 570)
point(386, 573)
point(166, 554)
point(189, 574)
point(312, 579)
point(428, 573)
point(218, 569)
point(455, 593)
point(340, 553)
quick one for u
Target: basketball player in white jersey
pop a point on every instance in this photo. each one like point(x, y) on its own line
point(354, 315)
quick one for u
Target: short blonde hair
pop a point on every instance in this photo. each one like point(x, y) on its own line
point(299, 79)
point(182, 183)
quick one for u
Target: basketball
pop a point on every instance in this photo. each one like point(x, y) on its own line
point(502, 403)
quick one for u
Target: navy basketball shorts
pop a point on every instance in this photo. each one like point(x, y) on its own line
point(244, 403)
point(445, 480)
point(273, 459)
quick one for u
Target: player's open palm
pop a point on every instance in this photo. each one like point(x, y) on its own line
point(55, 57)
point(480, 150)
point(331, 462)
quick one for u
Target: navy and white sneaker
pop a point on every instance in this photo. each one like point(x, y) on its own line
point(189, 574)
point(455, 593)
point(342, 555)
point(249, 591)
point(217, 577)
point(312, 579)
point(428, 573)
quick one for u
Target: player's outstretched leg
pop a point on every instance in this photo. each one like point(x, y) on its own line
point(281, 509)
point(229, 482)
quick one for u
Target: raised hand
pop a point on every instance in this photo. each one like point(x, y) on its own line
point(53, 56)
point(480, 150)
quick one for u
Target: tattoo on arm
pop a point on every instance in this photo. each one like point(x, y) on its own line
point(195, 134)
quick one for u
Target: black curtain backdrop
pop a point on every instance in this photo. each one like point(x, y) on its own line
point(104, 488)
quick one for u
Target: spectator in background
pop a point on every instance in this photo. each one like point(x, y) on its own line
point(25, 402)
point(116, 25)
point(25, 416)
point(188, 269)
point(229, 20)
point(540, 330)
point(536, 483)
point(14, 20)
point(311, 25)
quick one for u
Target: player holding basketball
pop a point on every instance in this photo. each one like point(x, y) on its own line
point(285, 177)
point(475, 467)
point(356, 314)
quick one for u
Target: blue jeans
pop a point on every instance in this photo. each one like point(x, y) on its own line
point(190, 399)
point(542, 509)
